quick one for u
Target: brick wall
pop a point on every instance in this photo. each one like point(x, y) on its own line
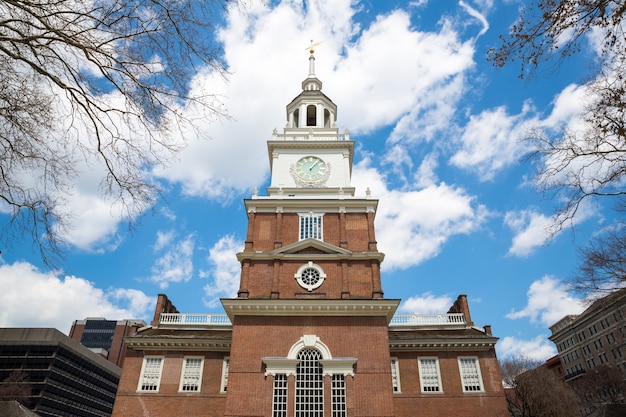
point(369, 392)
point(452, 401)
point(168, 402)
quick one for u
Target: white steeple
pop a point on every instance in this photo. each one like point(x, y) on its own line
point(311, 157)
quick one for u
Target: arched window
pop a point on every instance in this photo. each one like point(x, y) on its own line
point(326, 118)
point(309, 384)
point(296, 118)
point(311, 115)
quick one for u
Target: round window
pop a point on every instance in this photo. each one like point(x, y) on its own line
point(310, 276)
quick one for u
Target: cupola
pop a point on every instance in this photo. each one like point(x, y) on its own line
point(311, 108)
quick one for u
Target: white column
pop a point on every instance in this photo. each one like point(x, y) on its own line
point(302, 116)
point(319, 117)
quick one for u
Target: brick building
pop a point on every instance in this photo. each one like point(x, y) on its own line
point(310, 333)
point(105, 337)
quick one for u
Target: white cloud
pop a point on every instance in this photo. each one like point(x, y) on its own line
point(379, 92)
point(531, 231)
point(414, 225)
point(476, 14)
point(426, 303)
point(31, 298)
point(548, 302)
point(225, 270)
point(175, 263)
point(494, 139)
point(539, 348)
point(426, 175)
point(491, 141)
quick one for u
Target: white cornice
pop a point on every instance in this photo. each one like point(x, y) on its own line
point(301, 307)
point(443, 343)
point(301, 257)
point(297, 204)
point(158, 342)
point(327, 248)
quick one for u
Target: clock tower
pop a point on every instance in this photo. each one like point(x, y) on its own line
point(310, 333)
point(310, 322)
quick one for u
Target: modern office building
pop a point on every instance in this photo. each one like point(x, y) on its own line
point(105, 337)
point(64, 377)
point(310, 333)
point(595, 337)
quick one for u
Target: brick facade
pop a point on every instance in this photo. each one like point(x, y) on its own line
point(338, 311)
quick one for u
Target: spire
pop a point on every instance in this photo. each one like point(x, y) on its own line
point(311, 49)
point(312, 64)
point(312, 82)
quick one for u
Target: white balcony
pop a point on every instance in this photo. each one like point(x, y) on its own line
point(399, 320)
point(427, 320)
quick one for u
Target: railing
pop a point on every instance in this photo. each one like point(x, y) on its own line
point(399, 320)
point(194, 319)
point(310, 135)
point(450, 319)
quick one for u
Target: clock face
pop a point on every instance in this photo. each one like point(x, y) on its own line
point(310, 168)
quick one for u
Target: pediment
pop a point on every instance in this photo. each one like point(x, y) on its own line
point(311, 246)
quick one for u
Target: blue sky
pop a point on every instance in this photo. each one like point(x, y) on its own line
point(438, 136)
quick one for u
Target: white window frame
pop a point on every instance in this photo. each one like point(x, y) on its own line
point(309, 395)
point(225, 368)
point(303, 282)
point(395, 375)
point(144, 377)
point(280, 396)
point(338, 395)
point(311, 225)
point(188, 374)
point(465, 377)
point(427, 376)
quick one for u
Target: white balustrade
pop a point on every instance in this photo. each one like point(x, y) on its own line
point(399, 320)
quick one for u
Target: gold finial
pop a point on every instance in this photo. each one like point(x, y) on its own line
point(312, 46)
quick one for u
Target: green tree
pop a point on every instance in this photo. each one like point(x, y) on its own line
point(102, 82)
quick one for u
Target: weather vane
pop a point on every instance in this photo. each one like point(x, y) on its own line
point(312, 46)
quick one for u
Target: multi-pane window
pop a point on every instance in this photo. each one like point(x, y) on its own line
point(430, 377)
point(395, 375)
point(279, 398)
point(150, 373)
point(339, 395)
point(309, 384)
point(225, 366)
point(471, 379)
point(191, 377)
point(311, 226)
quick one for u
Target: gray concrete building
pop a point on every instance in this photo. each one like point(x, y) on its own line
point(64, 377)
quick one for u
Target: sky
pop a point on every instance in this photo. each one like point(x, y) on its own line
point(439, 141)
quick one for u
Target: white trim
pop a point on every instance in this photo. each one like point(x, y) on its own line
point(224, 380)
point(338, 366)
point(309, 341)
point(297, 308)
point(276, 366)
point(422, 374)
point(478, 375)
point(184, 370)
point(395, 375)
point(307, 285)
point(142, 375)
point(315, 227)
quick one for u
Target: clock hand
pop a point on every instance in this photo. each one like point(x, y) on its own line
point(314, 164)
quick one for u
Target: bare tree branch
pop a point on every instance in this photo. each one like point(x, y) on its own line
point(99, 81)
